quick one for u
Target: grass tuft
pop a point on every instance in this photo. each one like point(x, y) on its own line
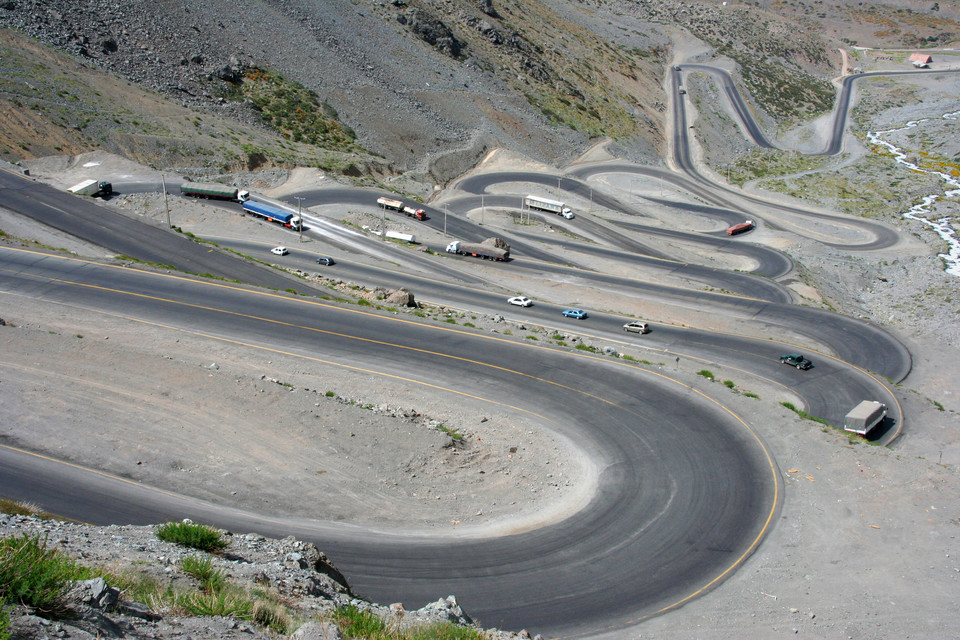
point(201, 567)
point(16, 508)
point(36, 576)
point(354, 623)
point(192, 535)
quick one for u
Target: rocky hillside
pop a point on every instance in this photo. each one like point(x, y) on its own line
point(125, 582)
point(370, 88)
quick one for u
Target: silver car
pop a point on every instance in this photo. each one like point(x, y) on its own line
point(637, 327)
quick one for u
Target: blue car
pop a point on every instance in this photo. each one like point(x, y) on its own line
point(578, 314)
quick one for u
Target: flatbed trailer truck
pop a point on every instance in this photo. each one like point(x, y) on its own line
point(486, 250)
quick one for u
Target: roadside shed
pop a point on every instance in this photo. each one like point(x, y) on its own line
point(920, 60)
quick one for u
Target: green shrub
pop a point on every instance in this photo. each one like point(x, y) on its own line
point(803, 414)
point(192, 535)
point(4, 622)
point(201, 567)
point(706, 374)
point(730, 384)
point(34, 575)
point(453, 433)
point(354, 623)
point(330, 394)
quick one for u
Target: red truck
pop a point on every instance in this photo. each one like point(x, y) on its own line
point(740, 228)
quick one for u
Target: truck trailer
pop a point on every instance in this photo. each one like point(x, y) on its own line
point(214, 190)
point(397, 205)
point(864, 417)
point(741, 227)
point(489, 249)
point(403, 237)
point(273, 214)
point(553, 206)
point(390, 203)
point(92, 188)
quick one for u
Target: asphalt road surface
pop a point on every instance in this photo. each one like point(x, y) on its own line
point(664, 524)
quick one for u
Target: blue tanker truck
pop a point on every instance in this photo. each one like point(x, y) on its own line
point(273, 214)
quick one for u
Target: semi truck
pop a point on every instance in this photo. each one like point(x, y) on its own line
point(413, 212)
point(397, 205)
point(214, 190)
point(553, 206)
point(489, 249)
point(273, 214)
point(92, 188)
point(864, 417)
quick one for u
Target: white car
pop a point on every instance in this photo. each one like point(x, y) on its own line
point(279, 251)
point(521, 301)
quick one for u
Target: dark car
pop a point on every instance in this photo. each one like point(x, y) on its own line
point(326, 261)
point(796, 360)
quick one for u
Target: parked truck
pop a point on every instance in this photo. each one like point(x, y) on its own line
point(864, 417)
point(553, 206)
point(273, 214)
point(489, 249)
point(92, 188)
point(214, 190)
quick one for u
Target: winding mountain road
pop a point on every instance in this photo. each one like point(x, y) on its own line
point(686, 490)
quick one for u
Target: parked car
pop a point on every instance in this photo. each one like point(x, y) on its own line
point(280, 251)
point(796, 360)
point(520, 301)
point(637, 327)
point(325, 261)
point(578, 314)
